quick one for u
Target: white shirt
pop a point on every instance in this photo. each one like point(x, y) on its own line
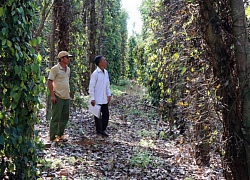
point(99, 86)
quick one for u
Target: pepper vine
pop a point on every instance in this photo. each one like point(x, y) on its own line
point(19, 89)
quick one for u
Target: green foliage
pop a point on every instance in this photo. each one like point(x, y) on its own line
point(147, 133)
point(169, 61)
point(80, 101)
point(20, 86)
point(122, 82)
point(117, 90)
point(247, 11)
point(163, 52)
point(141, 159)
point(77, 47)
point(131, 58)
point(45, 164)
point(162, 134)
point(112, 42)
point(144, 159)
point(140, 61)
point(146, 143)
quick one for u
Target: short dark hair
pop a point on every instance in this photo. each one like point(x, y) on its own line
point(98, 59)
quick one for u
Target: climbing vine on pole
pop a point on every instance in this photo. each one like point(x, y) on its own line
point(19, 89)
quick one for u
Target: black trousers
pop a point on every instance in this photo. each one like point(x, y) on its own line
point(102, 123)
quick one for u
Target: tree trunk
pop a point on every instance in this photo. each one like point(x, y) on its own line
point(218, 39)
point(60, 21)
point(101, 11)
point(236, 117)
point(240, 153)
point(62, 17)
point(51, 59)
point(90, 25)
point(124, 37)
point(92, 35)
point(85, 17)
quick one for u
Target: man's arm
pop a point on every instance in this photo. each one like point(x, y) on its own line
point(109, 99)
point(92, 85)
point(50, 86)
point(108, 89)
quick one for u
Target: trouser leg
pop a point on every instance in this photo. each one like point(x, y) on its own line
point(55, 119)
point(64, 117)
point(98, 124)
point(102, 123)
point(105, 116)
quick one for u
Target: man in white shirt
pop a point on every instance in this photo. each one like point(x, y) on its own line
point(99, 91)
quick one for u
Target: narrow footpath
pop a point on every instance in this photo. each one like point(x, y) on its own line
point(138, 147)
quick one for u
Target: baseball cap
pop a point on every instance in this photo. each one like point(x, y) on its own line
point(63, 53)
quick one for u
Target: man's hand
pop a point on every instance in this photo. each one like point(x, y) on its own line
point(109, 99)
point(53, 99)
point(93, 102)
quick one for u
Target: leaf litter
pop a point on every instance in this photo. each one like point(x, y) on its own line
point(138, 147)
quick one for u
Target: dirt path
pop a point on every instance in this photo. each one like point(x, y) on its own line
point(138, 148)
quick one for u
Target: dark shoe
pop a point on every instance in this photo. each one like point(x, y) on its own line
point(103, 133)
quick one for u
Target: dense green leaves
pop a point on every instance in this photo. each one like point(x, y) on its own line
point(20, 88)
point(112, 42)
point(1, 11)
point(168, 60)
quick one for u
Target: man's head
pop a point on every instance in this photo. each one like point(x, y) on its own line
point(100, 61)
point(63, 54)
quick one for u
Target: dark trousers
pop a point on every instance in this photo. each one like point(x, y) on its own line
point(102, 123)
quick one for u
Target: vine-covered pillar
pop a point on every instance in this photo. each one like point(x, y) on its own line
point(218, 21)
point(241, 44)
point(20, 86)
